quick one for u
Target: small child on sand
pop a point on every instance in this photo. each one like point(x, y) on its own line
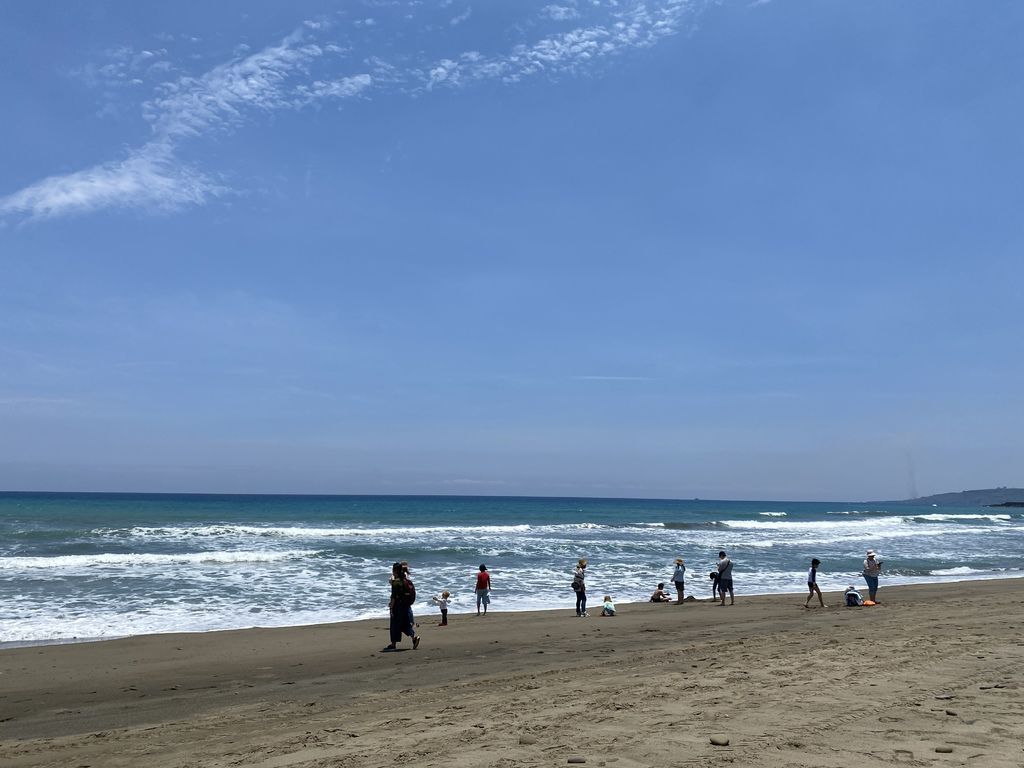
point(609, 606)
point(853, 597)
point(714, 584)
point(812, 584)
point(443, 601)
point(660, 595)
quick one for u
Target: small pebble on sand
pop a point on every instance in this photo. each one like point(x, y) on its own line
point(944, 750)
point(720, 741)
point(577, 760)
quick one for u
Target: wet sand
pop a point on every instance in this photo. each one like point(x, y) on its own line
point(933, 667)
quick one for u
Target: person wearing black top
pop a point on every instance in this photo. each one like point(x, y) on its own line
point(403, 596)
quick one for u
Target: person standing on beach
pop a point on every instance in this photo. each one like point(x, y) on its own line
point(812, 584)
point(725, 578)
point(679, 579)
point(580, 587)
point(483, 589)
point(443, 601)
point(872, 569)
point(403, 596)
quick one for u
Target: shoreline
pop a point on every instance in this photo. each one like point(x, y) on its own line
point(382, 616)
point(546, 684)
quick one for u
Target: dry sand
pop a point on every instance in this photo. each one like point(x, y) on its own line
point(933, 667)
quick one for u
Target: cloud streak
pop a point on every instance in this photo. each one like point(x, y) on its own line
point(150, 177)
point(281, 77)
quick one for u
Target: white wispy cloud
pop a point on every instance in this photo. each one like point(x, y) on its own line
point(220, 99)
point(297, 73)
point(150, 177)
point(560, 12)
point(632, 26)
point(464, 16)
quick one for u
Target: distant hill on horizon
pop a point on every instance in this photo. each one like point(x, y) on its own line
point(984, 497)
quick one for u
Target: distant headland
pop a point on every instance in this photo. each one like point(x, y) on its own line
point(985, 497)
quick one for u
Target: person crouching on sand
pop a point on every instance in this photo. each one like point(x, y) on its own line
point(442, 601)
point(679, 579)
point(660, 595)
point(608, 609)
point(812, 584)
point(714, 584)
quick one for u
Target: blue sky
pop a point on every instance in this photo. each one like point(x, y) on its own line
point(668, 249)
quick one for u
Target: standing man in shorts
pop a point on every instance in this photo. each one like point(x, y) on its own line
point(725, 577)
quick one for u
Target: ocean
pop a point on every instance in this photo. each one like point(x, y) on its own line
point(89, 566)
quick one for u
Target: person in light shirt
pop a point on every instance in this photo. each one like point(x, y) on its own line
point(872, 569)
point(608, 609)
point(725, 577)
point(679, 579)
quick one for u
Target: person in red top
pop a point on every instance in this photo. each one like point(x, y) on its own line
point(483, 589)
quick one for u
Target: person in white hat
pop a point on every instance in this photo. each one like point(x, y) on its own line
point(872, 568)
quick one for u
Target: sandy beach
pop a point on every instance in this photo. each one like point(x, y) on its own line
point(930, 677)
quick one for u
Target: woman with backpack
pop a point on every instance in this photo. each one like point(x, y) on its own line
point(403, 596)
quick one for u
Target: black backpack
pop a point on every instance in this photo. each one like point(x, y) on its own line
point(408, 590)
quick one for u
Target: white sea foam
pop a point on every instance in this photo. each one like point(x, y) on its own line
point(772, 514)
point(962, 570)
point(222, 531)
point(811, 525)
point(127, 560)
point(944, 518)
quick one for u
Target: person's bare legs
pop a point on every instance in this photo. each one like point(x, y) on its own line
point(814, 589)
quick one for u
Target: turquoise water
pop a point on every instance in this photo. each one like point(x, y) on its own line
point(105, 565)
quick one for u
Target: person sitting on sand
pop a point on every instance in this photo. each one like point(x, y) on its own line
point(714, 584)
point(660, 595)
point(443, 601)
point(812, 584)
point(852, 597)
point(609, 606)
